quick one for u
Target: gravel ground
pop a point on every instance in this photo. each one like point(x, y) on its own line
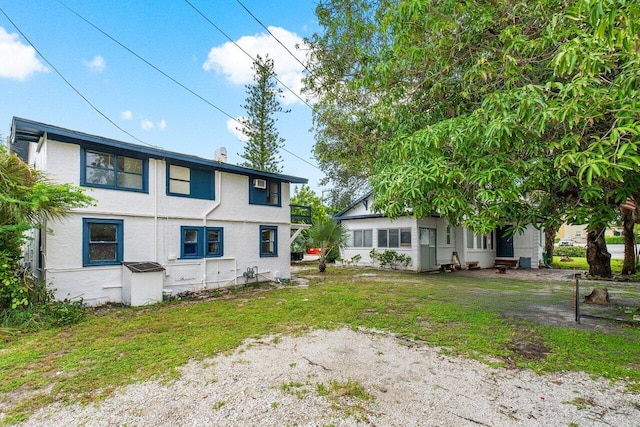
point(275, 381)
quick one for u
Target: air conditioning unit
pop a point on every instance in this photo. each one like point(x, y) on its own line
point(260, 183)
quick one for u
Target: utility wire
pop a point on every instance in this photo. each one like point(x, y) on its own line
point(274, 37)
point(245, 52)
point(145, 61)
point(69, 83)
point(172, 78)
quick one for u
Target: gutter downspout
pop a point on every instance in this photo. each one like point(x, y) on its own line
point(216, 204)
point(155, 209)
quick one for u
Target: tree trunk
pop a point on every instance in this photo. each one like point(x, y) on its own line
point(629, 264)
point(322, 266)
point(598, 257)
point(549, 241)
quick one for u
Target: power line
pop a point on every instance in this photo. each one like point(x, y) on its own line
point(272, 35)
point(172, 78)
point(69, 83)
point(244, 51)
point(145, 61)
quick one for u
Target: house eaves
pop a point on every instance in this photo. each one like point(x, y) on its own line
point(24, 131)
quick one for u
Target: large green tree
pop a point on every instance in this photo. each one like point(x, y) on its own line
point(346, 131)
point(261, 149)
point(27, 199)
point(493, 112)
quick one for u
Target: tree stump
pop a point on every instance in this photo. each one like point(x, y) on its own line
point(597, 296)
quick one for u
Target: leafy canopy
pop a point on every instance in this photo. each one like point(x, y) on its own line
point(485, 112)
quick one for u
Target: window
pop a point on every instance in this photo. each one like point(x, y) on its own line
point(470, 238)
point(448, 234)
point(190, 182)
point(382, 238)
point(405, 237)
point(394, 238)
point(270, 195)
point(201, 242)
point(273, 198)
point(362, 238)
point(482, 241)
point(108, 170)
point(102, 242)
point(214, 241)
point(268, 241)
point(179, 180)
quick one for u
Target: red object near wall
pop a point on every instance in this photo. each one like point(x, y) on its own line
point(313, 251)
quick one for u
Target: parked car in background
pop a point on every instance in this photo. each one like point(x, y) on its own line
point(566, 241)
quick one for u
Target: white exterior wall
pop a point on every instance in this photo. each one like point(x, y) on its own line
point(375, 224)
point(151, 229)
point(529, 244)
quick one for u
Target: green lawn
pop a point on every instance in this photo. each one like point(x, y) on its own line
point(580, 263)
point(479, 318)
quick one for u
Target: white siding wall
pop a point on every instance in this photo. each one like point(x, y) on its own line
point(151, 224)
point(529, 245)
point(375, 224)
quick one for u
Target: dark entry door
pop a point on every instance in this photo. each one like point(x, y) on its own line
point(504, 244)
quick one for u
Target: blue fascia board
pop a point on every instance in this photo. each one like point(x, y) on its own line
point(31, 131)
point(353, 205)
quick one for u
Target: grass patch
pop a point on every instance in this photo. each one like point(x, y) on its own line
point(467, 316)
point(580, 263)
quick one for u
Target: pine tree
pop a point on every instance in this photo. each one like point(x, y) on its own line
point(261, 149)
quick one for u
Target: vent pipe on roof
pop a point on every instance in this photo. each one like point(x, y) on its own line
point(221, 155)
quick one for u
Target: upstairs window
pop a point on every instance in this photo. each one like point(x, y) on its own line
point(264, 192)
point(102, 242)
point(108, 170)
point(201, 242)
point(190, 182)
point(268, 241)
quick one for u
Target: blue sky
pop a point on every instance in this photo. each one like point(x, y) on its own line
point(171, 35)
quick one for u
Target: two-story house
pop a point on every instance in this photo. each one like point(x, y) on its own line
point(163, 221)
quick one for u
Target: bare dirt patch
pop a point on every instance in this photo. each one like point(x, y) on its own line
point(353, 378)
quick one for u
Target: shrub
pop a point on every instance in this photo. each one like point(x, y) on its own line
point(390, 259)
point(571, 251)
point(614, 240)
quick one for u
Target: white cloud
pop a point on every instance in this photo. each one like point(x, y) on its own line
point(97, 64)
point(236, 65)
point(126, 115)
point(232, 126)
point(162, 124)
point(146, 124)
point(17, 61)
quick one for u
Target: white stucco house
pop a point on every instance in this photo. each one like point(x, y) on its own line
point(432, 241)
point(163, 221)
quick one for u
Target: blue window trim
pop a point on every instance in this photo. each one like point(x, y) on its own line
point(201, 184)
point(83, 170)
point(275, 241)
point(202, 243)
point(258, 196)
point(220, 251)
point(86, 240)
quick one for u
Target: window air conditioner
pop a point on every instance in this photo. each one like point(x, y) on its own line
point(260, 183)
